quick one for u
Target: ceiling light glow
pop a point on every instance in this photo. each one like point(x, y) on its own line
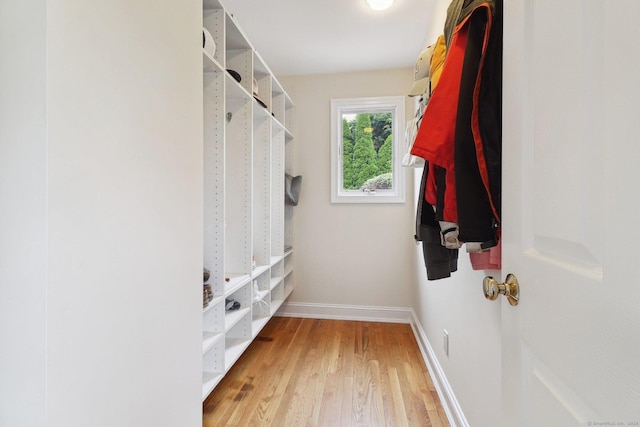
point(379, 4)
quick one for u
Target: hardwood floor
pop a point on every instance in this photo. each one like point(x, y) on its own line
point(311, 372)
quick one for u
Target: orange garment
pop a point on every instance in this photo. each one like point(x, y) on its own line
point(437, 61)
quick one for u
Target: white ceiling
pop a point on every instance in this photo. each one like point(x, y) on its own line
point(297, 37)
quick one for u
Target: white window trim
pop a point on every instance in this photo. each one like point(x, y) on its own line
point(338, 107)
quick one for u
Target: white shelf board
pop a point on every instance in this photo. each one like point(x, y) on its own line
point(258, 107)
point(277, 125)
point(209, 381)
point(276, 87)
point(260, 296)
point(236, 38)
point(211, 4)
point(288, 135)
point(287, 292)
point(235, 89)
point(288, 103)
point(231, 317)
point(209, 64)
point(208, 307)
point(259, 66)
point(209, 339)
point(288, 252)
point(212, 304)
point(275, 281)
point(288, 272)
point(275, 305)
point(234, 347)
point(275, 260)
point(236, 281)
point(258, 324)
point(259, 270)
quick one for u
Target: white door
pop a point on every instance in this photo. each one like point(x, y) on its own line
point(571, 212)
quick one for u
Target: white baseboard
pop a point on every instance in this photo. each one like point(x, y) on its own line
point(345, 312)
point(447, 397)
point(391, 315)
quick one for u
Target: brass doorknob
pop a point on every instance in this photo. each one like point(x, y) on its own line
point(510, 289)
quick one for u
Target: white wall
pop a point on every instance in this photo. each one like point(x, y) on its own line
point(352, 254)
point(101, 219)
point(22, 213)
point(458, 305)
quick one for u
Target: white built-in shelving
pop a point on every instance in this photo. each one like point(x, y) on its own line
point(247, 150)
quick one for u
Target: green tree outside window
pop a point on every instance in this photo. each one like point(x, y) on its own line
point(370, 153)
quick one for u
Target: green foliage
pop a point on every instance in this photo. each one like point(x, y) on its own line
point(347, 155)
point(380, 182)
point(364, 155)
point(366, 148)
point(385, 156)
point(382, 125)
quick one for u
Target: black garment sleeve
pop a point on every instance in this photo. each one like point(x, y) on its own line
point(439, 261)
point(475, 216)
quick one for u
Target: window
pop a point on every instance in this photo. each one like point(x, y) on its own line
point(365, 150)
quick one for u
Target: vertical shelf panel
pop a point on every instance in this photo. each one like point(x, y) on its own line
point(263, 79)
point(288, 274)
point(213, 107)
point(239, 54)
point(237, 191)
point(277, 274)
point(240, 61)
point(277, 192)
point(288, 209)
point(290, 118)
point(260, 309)
point(213, 19)
point(237, 339)
point(261, 185)
point(289, 123)
point(212, 323)
point(277, 297)
point(213, 367)
point(278, 102)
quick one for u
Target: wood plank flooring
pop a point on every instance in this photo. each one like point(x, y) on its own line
point(311, 372)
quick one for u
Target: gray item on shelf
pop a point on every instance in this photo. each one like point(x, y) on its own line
point(292, 185)
point(205, 274)
point(231, 304)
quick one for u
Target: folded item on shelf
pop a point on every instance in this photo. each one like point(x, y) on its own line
point(231, 304)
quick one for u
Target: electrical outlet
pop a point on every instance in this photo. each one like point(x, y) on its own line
point(445, 339)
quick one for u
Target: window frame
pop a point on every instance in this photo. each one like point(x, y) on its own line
point(394, 104)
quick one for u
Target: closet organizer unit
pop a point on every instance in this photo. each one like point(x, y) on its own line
point(247, 150)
